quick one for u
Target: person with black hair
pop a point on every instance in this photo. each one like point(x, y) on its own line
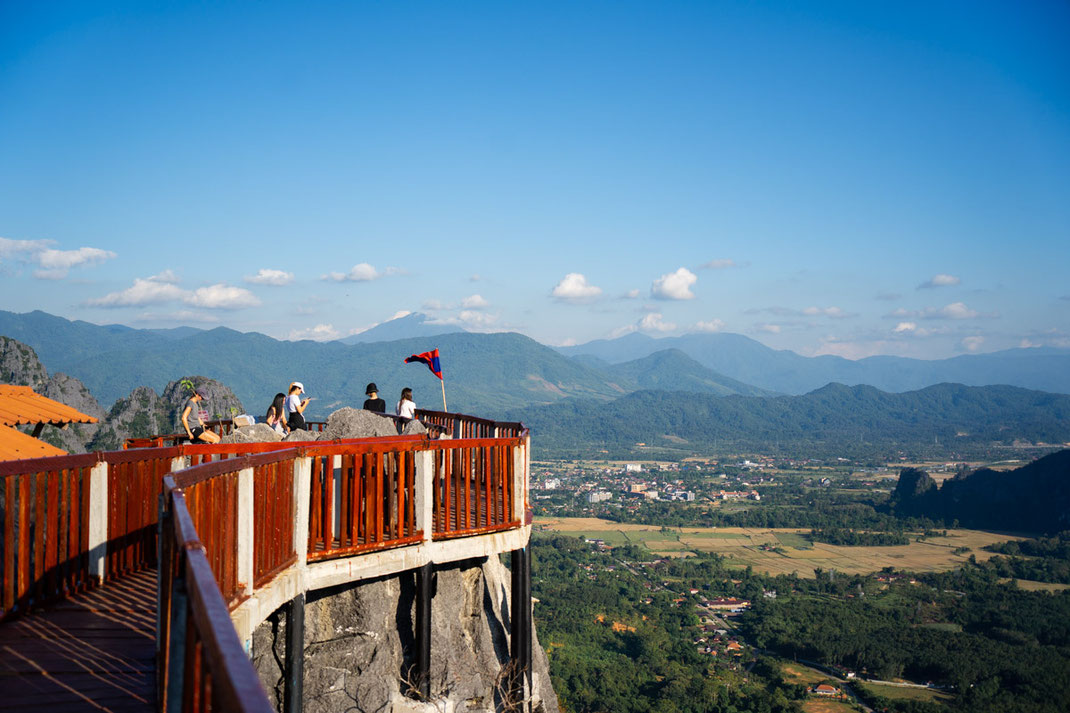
point(373, 402)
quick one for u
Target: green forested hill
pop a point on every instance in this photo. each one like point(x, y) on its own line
point(834, 414)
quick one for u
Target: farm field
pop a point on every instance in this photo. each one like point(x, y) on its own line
point(1031, 586)
point(797, 673)
point(901, 693)
point(743, 546)
point(819, 705)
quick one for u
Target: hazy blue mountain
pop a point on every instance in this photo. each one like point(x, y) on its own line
point(672, 370)
point(834, 414)
point(751, 362)
point(485, 373)
point(407, 327)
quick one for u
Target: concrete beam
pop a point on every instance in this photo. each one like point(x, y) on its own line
point(98, 520)
point(245, 529)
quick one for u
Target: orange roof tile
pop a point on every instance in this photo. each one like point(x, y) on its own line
point(19, 405)
point(15, 445)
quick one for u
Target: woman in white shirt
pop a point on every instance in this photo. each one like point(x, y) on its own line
point(295, 406)
point(406, 407)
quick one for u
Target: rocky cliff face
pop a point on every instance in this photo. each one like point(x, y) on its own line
point(359, 639)
point(19, 365)
point(143, 413)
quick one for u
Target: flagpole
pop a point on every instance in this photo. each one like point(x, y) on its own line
point(443, 394)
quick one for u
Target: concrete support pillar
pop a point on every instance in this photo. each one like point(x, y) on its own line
point(426, 481)
point(178, 463)
point(423, 630)
point(336, 506)
point(245, 529)
point(293, 687)
point(302, 493)
point(98, 520)
point(520, 484)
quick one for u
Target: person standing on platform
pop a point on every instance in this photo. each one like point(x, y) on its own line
point(406, 407)
point(295, 407)
point(373, 402)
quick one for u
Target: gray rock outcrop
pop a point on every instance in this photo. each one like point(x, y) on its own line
point(256, 433)
point(359, 640)
point(357, 423)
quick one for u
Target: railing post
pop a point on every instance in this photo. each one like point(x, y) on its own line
point(245, 555)
point(302, 493)
point(98, 520)
point(178, 463)
point(425, 493)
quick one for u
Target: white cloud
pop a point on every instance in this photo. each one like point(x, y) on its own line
point(567, 342)
point(56, 263)
point(469, 319)
point(144, 291)
point(167, 276)
point(474, 277)
point(15, 248)
point(714, 325)
point(941, 280)
point(319, 333)
point(831, 312)
point(161, 288)
point(905, 327)
point(433, 305)
point(972, 344)
point(362, 272)
point(674, 285)
point(474, 302)
point(276, 278)
point(621, 331)
point(631, 295)
point(574, 288)
point(222, 296)
point(399, 314)
point(955, 310)
point(719, 264)
point(768, 328)
point(654, 322)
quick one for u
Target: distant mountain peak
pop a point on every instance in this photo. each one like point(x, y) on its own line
point(414, 324)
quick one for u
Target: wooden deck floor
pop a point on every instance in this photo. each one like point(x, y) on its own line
point(93, 652)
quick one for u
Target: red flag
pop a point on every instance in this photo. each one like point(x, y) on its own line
point(431, 359)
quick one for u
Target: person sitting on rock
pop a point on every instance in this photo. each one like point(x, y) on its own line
point(295, 407)
point(276, 417)
point(373, 402)
point(406, 407)
point(198, 432)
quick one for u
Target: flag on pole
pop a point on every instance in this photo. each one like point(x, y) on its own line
point(431, 359)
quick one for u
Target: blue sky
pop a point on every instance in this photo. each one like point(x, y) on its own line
point(847, 178)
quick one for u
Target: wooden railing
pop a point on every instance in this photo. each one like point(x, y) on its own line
point(223, 522)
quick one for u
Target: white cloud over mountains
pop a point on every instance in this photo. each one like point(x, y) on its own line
point(53, 264)
point(674, 285)
point(318, 333)
point(362, 272)
point(574, 288)
point(162, 288)
point(941, 280)
point(955, 310)
point(275, 278)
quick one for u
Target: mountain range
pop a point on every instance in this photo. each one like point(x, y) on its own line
point(485, 374)
point(746, 360)
point(834, 415)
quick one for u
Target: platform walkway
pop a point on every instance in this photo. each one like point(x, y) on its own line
point(92, 652)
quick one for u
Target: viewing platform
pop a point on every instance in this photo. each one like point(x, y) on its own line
point(135, 579)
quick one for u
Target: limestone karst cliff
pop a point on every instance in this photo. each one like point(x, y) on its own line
point(358, 638)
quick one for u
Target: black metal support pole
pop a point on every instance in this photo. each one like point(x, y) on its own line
point(423, 630)
point(294, 675)
point(526, 623)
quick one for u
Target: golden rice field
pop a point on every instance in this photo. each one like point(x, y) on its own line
point(743, 546)
point(818, 705)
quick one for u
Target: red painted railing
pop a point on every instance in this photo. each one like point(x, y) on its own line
point(363, 496)
point(45, 550)
point(473, 486)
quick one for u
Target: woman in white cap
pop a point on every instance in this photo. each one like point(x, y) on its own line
point(295, 406)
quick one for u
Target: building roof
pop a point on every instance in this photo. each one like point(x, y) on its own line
point(19, 405)
point(15, 445)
